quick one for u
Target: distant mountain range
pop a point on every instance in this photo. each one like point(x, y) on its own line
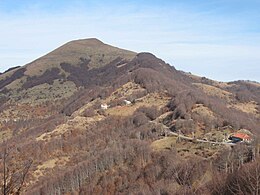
point(50, 112)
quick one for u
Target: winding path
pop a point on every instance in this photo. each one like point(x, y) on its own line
point(169, 132)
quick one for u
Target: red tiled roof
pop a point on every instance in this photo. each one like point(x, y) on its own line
point(241, 136)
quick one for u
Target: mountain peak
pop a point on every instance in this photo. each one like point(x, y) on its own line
point(72, 52)
point(87, 42)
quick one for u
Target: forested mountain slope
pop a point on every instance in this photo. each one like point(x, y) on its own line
point(51, 119)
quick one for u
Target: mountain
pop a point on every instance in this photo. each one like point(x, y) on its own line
point(159, 130)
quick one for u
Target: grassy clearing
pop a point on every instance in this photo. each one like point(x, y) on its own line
point(185, 148)
point(153, 99)
point(47, 165)
point(126, 90)
point(78, 123)
point(165, 143)
point(203, 111)
point(214, 91)
point(249, 107)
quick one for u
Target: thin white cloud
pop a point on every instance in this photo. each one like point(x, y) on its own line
point(190, 40)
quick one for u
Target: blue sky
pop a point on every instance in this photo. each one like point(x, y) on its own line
point(219, 39)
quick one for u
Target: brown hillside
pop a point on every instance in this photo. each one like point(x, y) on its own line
point(94, 50)
point(163, 132)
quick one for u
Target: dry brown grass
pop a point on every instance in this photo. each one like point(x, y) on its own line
point(78, 123)
point(186, 149)
point(24, 111)
point(5, 135)
point(80, 111)
point(124, 91)
point(99, 53)
point(42, 169)
point(153, 99)
point(7, 74)
point(203, 111)
point(163, 116)
point(248, 107)
point(16, 84)
point(254, 83)
point(122, 110)
point(217, 84)
point(165, 143)
point(214, 91)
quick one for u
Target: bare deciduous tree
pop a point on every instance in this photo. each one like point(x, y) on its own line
point(13, 173)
